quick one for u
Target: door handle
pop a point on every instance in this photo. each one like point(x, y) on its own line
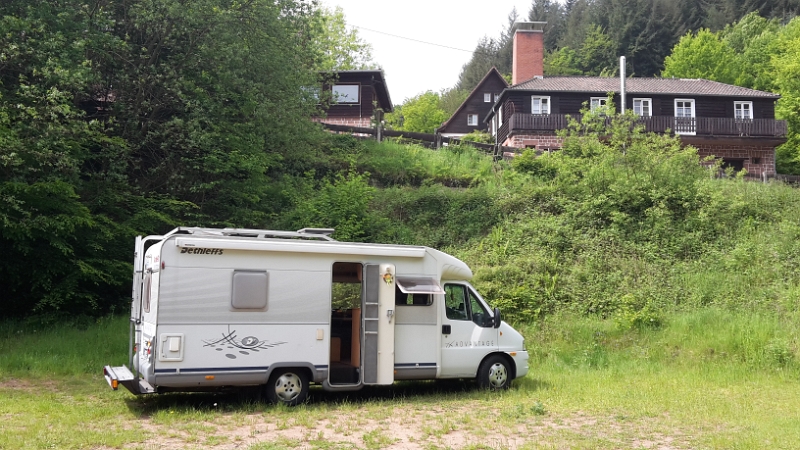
point(446, 329)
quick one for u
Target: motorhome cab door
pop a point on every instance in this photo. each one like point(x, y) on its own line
point(468, 334)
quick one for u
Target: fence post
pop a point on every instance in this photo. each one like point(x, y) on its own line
point(379, 125)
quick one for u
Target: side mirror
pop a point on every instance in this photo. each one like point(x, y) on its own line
point(497, 318)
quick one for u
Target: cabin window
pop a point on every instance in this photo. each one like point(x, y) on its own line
point(472, 120)
point(540, 105)
point(684, 107)
point(345, 93)
point(597, 102)
point(643, 107)
point(455, 304)
point(743, 110)
point(463, 304)
point(496, 97)
point(487, 97)
point(249, 290)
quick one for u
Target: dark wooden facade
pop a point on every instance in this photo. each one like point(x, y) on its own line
point(372, 95)
point(714, 115)
point(493, 84)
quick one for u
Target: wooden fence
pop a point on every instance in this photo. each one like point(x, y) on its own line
point(429, 140)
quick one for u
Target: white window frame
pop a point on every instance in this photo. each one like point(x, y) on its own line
point(487, 97)
point(641, 102)
point(496, 97)
point(544, 104)
point(344, 93)
point(743, 106)
point(683, 129)
point(597, 102)
point(472, 120)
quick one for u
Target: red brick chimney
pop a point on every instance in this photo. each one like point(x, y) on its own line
point(528, 51)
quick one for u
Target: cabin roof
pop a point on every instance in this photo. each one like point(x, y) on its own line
point(668, 86)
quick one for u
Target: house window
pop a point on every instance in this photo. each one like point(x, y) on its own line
point(643, 107)
point(496, 97)
point(540, 105)
point(597, 102)
point(487, 97)
point(684, 116)
point(743, 110)
point(472, 120)
point(345, 93)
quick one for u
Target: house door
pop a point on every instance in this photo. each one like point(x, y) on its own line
point(468, 334)
point(685, 122)
point(378, 324)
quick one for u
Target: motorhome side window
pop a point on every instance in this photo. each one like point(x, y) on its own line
point(249, 290)
point(401, 298)
point(462, 304)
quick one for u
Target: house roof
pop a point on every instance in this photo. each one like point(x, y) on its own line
point(669, 86)
point(491, 71)
point(377, 81)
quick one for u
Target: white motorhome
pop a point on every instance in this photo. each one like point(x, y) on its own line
point(216, 308)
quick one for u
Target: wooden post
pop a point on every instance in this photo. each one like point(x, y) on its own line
point(379, 125)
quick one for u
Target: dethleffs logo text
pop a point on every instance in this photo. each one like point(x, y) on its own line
point(201, 251)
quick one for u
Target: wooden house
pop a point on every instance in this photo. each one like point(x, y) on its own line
point(469, 116)
point(352, 97)
point(731, 123)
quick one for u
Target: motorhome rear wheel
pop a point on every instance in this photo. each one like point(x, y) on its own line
point(288, 387)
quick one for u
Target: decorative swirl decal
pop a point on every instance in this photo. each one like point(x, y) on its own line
point(245, 345)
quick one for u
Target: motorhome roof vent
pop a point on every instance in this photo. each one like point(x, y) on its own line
point(322, 231)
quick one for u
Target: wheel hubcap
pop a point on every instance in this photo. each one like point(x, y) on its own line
point(498, 375)
point(288, 387)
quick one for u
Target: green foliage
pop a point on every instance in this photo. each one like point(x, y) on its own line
point(337, 47)
point(420, 114)
point(341, 203)
point(478, 136)
point(703, 55)
point(118, 118)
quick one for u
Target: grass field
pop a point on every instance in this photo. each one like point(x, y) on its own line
point(705, 379)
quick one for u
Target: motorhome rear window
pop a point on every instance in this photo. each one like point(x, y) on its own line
point(249, 290)
point(419, 285)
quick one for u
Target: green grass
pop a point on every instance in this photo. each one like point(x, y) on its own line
point(709, 378)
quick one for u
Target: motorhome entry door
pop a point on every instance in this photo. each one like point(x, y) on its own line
point(378, 324)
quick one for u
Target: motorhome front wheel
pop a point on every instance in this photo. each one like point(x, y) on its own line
point(288, 386)
point(494, 374)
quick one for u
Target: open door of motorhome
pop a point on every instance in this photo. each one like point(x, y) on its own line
point(378, 324)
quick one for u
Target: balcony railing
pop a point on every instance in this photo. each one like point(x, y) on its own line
point(699, 126)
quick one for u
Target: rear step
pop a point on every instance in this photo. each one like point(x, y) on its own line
point(122, 375)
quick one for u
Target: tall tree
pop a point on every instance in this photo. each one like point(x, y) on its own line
point(337, 47)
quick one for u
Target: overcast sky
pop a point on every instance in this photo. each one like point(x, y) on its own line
point(413, 67)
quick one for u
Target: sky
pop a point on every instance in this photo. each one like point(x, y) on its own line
point(411, 67)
